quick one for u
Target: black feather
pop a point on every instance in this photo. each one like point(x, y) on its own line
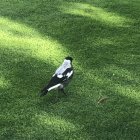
point(59, 80)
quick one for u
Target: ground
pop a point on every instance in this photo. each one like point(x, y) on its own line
point(103, 37)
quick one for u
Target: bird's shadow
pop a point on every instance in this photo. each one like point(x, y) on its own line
point(54, 97)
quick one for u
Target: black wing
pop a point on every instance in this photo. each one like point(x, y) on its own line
point(58, 79)
point(54, 81)
point(68, 74)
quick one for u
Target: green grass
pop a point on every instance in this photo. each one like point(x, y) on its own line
point(103, 37)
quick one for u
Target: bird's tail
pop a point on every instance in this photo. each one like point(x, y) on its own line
point(53, 84)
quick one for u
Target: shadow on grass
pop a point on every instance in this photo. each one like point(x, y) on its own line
point(95, 46)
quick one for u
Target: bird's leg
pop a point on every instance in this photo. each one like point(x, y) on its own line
point(62, 90)
point(57, 96)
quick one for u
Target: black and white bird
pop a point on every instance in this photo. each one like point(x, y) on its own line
point(61, 77)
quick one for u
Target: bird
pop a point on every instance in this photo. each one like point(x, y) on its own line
point(60, 78)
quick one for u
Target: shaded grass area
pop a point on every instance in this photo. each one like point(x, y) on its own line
point(103, 38)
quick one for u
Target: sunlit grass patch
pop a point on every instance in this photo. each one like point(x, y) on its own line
point(122, 81)
point(12, 28)
point(112, 80)
point(95, 13)
point(56, 123)
point(121, 72)
point(4, 83)
point(17, 36)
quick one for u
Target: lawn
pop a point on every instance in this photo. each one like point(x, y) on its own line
point(102, 36)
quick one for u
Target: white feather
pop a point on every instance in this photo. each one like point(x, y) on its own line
point(69, 74)
point(59, 76)
point(66, 64)
point(54, 87)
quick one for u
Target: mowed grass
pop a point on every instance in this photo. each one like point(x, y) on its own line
point(103, 37)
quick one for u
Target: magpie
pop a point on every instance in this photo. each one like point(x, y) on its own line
point(60, 78)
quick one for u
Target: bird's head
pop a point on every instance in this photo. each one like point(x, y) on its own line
point(69, 58)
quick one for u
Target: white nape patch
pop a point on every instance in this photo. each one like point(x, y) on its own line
point(66, 64)
point(59, 75)
point(54, 87)
point(69, 74)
